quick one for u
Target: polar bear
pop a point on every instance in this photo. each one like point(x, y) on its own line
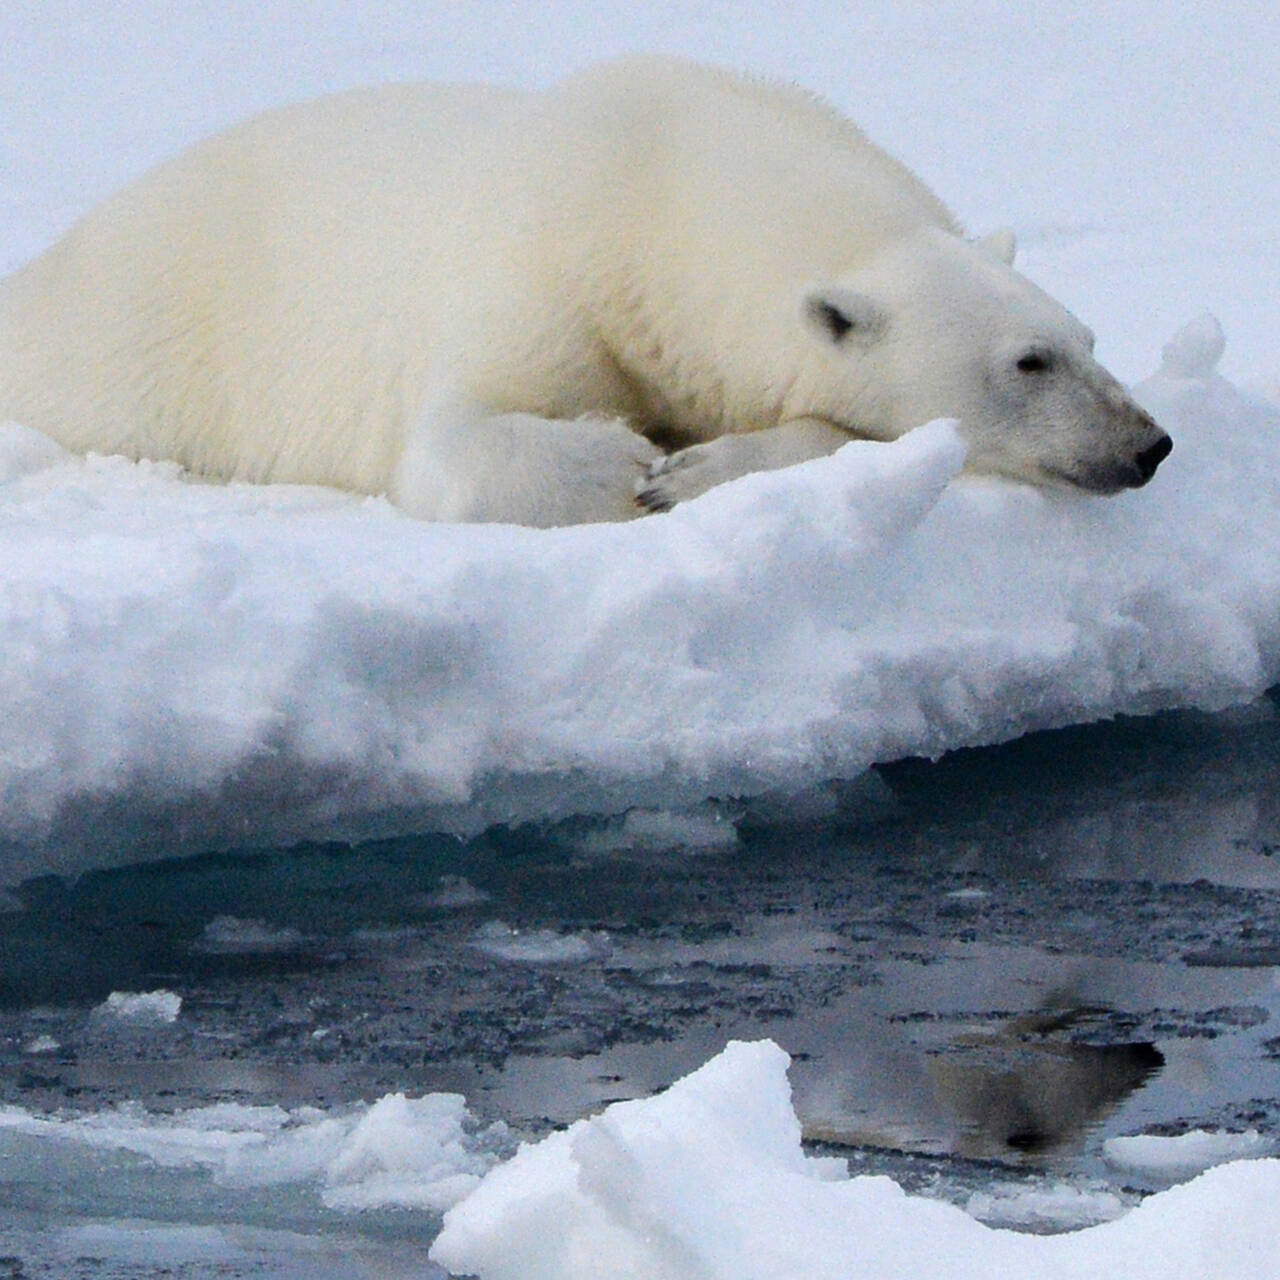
point(503, 305)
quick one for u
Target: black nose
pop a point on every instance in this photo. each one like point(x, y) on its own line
point(1149, 459)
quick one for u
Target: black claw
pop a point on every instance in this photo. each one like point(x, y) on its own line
point(653, 501)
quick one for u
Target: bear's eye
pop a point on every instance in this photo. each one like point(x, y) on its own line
point(1034, 362)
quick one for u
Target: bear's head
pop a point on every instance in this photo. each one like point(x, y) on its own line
point(935, 326)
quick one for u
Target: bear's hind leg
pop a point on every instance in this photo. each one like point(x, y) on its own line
point(462, 463)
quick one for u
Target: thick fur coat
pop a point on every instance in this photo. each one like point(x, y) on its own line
point(503, 305)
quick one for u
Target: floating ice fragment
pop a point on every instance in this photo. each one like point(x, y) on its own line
point(422, 1153)
point(230, 935)
point(141, 1007)
point(408, 1153)
point(454, 892)
point(537, 946)
point(1047, 1208)
point(664, 830)
point(1176, 1158)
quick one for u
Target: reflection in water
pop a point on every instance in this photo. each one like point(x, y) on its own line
point(1014, 1091)
point(1017, 1092)
point(1007, 955)
point(936, 1057)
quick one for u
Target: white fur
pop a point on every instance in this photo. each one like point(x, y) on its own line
point(481, 301)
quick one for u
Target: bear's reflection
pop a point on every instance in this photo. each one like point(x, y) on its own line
point(1018, 1091)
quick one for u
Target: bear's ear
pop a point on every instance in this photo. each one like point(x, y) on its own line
point(843, 316)
point(1000, 245)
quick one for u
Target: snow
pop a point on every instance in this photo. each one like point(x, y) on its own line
point(1194, 351)
point(291, 662)
point(709, 1181)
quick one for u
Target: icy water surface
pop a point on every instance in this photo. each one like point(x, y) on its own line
point(984, 969)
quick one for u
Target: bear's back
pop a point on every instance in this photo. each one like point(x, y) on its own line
point(786, 133)
point(242, 307)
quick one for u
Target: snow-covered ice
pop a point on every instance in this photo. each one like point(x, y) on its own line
point(709, 1181)
point(289, 662)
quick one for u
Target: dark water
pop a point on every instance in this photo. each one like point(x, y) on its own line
point(983, 967)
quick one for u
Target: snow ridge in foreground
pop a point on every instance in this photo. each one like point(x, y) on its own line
point(708, 1182)
point(228, 664)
